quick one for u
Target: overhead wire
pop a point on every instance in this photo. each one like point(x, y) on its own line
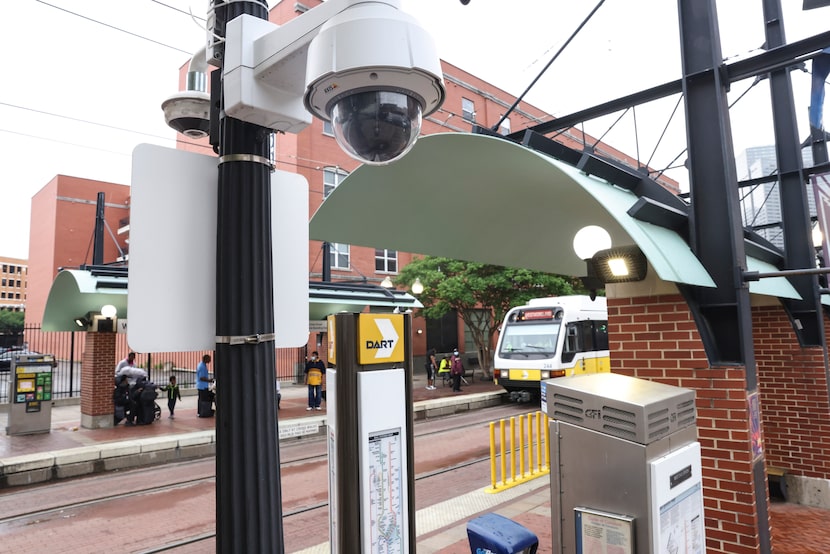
point(175, 9)
point(544, 69)
point(136, 35)
point(80, 120)
point(89, 122)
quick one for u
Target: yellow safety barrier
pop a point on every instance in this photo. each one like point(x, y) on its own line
point(538, 434)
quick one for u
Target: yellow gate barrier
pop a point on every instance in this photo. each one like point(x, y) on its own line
point(519, 472)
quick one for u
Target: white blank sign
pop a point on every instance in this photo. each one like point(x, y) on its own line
point(172, 280)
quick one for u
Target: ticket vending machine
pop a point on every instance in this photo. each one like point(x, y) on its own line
point(629, 470)
point(30, 397)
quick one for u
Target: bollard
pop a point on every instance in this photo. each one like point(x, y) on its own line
point(503, 457)
point(493, 454)
point(519, 470)
point(529, 444)
point(539, 442)
point(512, 450)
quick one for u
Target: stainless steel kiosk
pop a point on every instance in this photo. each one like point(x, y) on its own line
point(30, 394)
point(629, 471)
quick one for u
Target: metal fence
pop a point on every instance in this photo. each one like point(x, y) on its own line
point(68, 348)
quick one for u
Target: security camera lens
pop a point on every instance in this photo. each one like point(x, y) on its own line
point(376, 127)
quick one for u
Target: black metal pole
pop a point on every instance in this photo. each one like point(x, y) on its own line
point(71, 362)
point(98, 238)
point(326, 262)
point(248, 494)
point(795, 214)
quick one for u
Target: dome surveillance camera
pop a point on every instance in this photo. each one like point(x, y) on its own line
point(188, 112)
point(374, 72)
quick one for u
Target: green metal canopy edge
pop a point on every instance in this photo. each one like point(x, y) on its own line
point(77, 292)
point(326, 298)
point(480, 198)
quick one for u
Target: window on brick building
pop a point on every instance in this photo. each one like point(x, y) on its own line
point(386, 261)
point(4, 282)
point(332, 177)
point(468, 109)
point(18, 282)
point(339, 255)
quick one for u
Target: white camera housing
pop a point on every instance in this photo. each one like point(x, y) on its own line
point(362, 61)
point(373, 72)
point(188, 112)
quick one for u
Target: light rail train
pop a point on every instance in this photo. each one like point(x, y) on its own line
point(548, 338)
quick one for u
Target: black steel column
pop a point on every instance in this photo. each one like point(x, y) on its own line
point(98, 236)
point(716, 230)
point(806, 314)
point(326, 247)
point(724, 313)
point(248, 494)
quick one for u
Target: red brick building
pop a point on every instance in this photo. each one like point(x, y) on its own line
point(62, 228)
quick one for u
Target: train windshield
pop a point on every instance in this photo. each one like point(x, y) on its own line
point(529, 339)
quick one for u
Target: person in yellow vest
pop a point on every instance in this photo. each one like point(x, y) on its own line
point(314, 371)
point(444, 370)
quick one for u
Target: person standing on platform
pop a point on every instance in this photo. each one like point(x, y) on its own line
point(431, 365)
point(203, 381)
point(128, 368)
point(173, 394)
point(314, 371)
point(456, 370)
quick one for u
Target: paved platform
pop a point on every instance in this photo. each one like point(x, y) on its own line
point(69, 450)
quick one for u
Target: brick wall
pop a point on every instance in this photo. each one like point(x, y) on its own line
point(794, 396)
point(97, 374)
point(656, 338)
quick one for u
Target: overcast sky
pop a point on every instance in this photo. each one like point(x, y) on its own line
point(83, 80)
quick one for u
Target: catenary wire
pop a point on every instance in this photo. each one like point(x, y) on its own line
point(544, 69)
point(136, 35)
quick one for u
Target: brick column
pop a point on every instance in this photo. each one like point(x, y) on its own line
point(656, 338)
point(97, 380)
point(794, 396)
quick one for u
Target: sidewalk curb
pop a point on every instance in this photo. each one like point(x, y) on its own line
point(29, 469)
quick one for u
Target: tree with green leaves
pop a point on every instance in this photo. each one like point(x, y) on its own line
point(11, 323)
point(481, 294)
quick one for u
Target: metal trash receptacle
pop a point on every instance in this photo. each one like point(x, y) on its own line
point(495, 534)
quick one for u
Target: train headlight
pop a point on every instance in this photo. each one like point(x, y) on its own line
point(546, 375)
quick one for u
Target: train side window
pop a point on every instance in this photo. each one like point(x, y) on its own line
point(572, 343)
point(586, 331)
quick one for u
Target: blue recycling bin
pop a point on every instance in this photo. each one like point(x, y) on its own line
point(495, 534)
